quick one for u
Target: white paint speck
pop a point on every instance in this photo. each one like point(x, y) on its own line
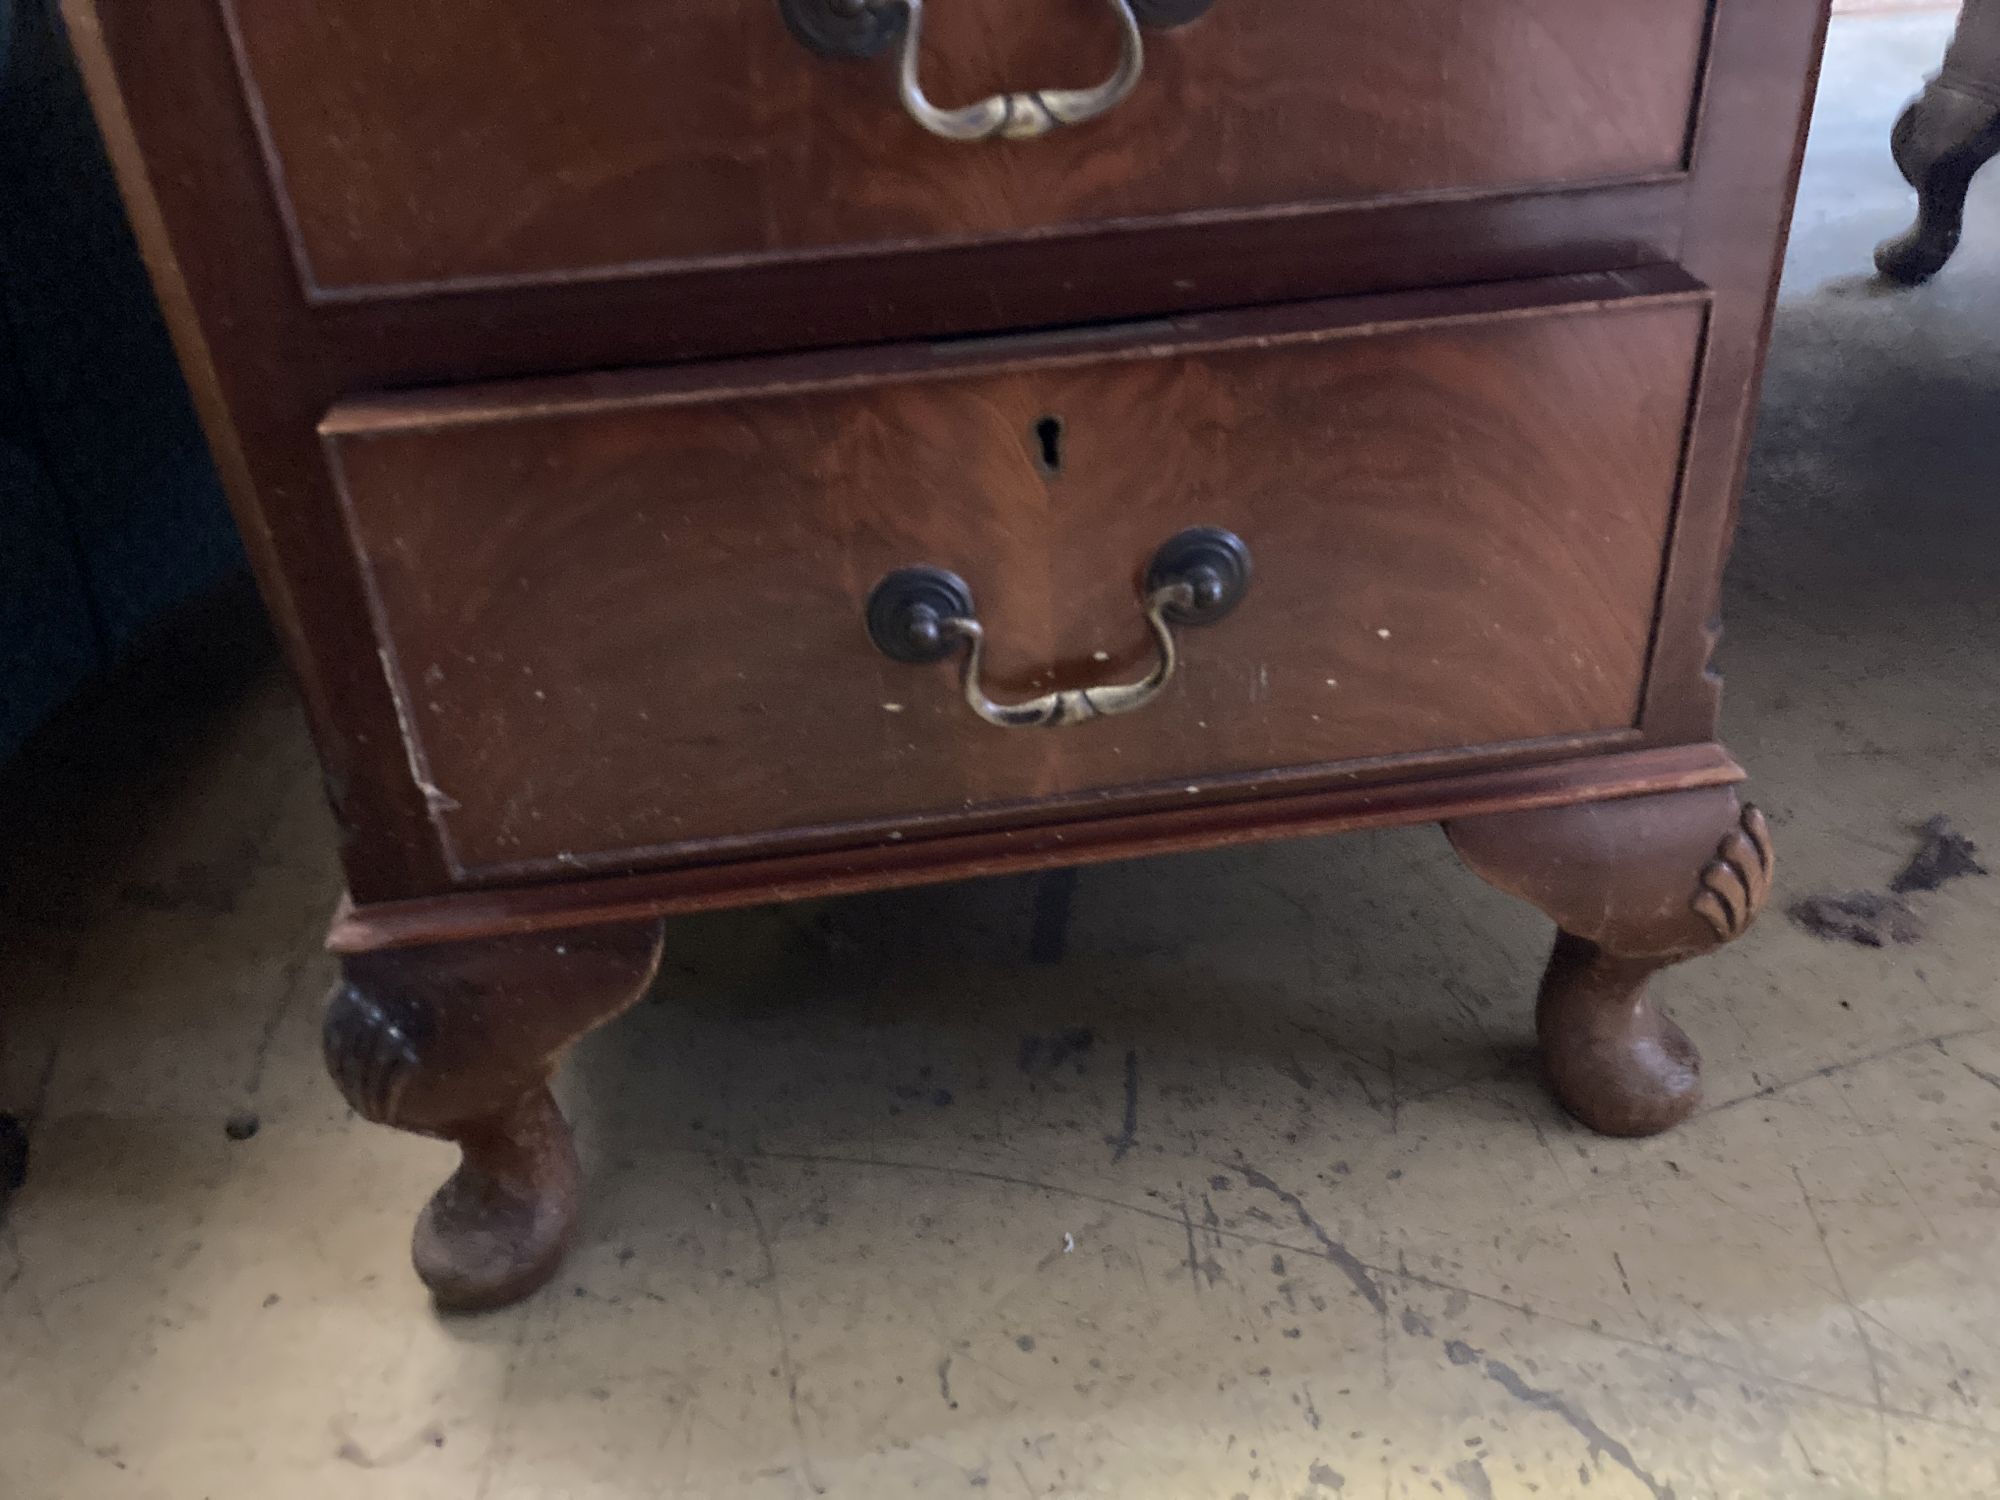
point(1069, 1243)
point(892, 708)
point(1383, 633)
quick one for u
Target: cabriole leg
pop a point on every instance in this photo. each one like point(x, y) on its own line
point(1633, 885)
point(458, 1041)
point(1941, 140)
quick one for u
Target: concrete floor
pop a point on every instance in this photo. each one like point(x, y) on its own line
point(1340, 1245)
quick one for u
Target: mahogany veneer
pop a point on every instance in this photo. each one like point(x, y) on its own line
point(589, 382)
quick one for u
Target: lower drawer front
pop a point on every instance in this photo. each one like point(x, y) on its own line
point(625, 614)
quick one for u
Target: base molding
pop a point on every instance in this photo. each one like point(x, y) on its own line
point(464, 915)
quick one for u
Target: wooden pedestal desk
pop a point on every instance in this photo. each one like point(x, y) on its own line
point(727, 451)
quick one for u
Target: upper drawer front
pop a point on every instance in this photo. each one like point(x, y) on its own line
point(499, 141)
point(625, 615)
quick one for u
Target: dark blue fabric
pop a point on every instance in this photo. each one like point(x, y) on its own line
point(109, 508)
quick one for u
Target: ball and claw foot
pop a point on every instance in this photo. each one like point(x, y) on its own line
point(502, 1222)
point(1634, 885)
point(1940, 142)
point(458, 1041)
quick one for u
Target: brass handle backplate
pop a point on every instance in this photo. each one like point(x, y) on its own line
point(862, 28)
point(925, 614)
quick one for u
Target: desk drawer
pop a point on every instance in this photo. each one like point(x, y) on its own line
point(625, 615)
point(506, 142)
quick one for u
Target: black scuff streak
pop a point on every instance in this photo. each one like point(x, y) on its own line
point(1350, 1264)
point(944, 1382)
point(1193, 1255)
point(1556, 1404)
point(1129, 1134)
point(1980, 1073)
point(1471, 1477)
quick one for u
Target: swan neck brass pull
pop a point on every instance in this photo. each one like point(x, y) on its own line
point(923, 615)
point(861, 28)
point(1024, 115)
point(1075, 705)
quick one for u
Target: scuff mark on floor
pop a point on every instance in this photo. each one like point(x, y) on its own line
point(1860, 1327)
point(1193, 1256)
point(1201, 1268)
point(1557, 1405)
point(1350, 1264)
point(431, 1435)
point(1471, 1477)
point(787, 1363)
point(1128, 1134)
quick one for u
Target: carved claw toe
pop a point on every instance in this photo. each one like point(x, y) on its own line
point(374, 1046)
point(458, 1040)
point(1736, 884)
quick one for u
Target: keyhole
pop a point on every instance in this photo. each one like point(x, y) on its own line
point(1049, 439)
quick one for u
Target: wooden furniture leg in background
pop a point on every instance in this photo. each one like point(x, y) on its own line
point(1633, 885)
point(1947, 134)
point(459, 1041)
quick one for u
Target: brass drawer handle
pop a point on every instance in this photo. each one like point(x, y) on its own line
point(922, 615)
point(861, 28)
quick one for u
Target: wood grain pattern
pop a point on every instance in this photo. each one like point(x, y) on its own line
point(266, 364)
point(494, 142)
point(588, 647)
point(599, 595)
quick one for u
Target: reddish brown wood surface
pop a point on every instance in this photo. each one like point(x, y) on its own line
point(589, 625)
point(1197, 823)
point(1764, 63)
point(508, 140)
point(625, 617)
point(266, 364)
point(459, 1041)
point(1633, 885)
